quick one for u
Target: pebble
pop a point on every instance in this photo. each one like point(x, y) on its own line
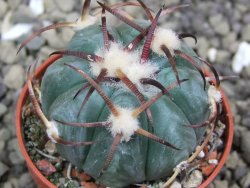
point(67, 34)
point(194, 180)
point(13, 3)
point(234, 186)
point(240, 172)
point(2, 88)
point(2, 145)
point(3, 109)
point(220, 184)
point(25, 181)
point(7, 52)
point(246, 122)
point(242, 57)
point(228, 42)
point(245, 182)
point(245, 35)
point(3, 8)
point(202, 46)
point(16, 158)
point(53, 39)
point(65, 5)
point(245, 145)
point(219, 24)
point(7, 185)
point(246, 18)
point(4, 134)
point(36, 6)
point(14, 78)
point(23, 15)
point(36, 43)
point(3, 169)
point(222, 56)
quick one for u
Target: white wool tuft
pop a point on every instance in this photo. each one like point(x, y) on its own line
point(124, 124)
point(81, 24)
point(52, 131)
point(137, 71)
point(214, 93)
point(128, 62)
point(165, 37)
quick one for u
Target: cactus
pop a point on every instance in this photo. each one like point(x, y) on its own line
point(126, 103)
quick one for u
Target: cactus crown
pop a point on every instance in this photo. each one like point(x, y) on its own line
point(127, 78)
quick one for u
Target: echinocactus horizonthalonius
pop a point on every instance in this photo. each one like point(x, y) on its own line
point(120, 102)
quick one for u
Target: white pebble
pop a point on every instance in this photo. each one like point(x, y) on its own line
point(242, 57)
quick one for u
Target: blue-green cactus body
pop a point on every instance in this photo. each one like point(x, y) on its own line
point(139, 159)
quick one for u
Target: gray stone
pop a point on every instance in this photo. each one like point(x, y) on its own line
point(7, 185)
point(15, 155)
point(57, 16)
point(245, 35)
point(13, 145)
point(36, 43)
point(16, 158)
point(240, 172)
point(45, 51)
point(2, 145)
point(65, 5)
point(3, 169)
point(246, 18)
point(23, 15)
point(4, 134)
point(14, 78)
point(245, 182)
point(237, 135)
point(25, 181)
point(67, 34)
point(229, 40)
point(241, 7)
point(2, 88)
point(219, 24)
point(53, 39)
point(222, 56)
point(202, 46)
point(13, 3)
point(237, 27)
point(3, 109)
point(234, 186)
point(246, 122)
point(7, 52)
point(3, 8)
point(14, 182)
point(245, 145)
point(50, 6)
point(232, 160)
point(72, 16)
point(220, 184)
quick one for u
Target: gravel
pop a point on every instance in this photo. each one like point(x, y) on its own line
point(220, 26)
point(14, 78)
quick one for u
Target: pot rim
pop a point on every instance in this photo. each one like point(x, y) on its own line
point(36, 174)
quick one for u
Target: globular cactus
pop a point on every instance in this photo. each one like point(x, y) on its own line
point(126, 103)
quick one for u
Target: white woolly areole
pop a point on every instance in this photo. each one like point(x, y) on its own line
point(128, 62)
point(52, 131)
point(165, 37)
point(124, 124)
point(214, 93)
point(81, 24)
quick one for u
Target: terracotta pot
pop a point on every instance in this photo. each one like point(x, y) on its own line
point(42, 182)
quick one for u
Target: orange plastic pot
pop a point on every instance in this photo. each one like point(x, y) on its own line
point(42, 182)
